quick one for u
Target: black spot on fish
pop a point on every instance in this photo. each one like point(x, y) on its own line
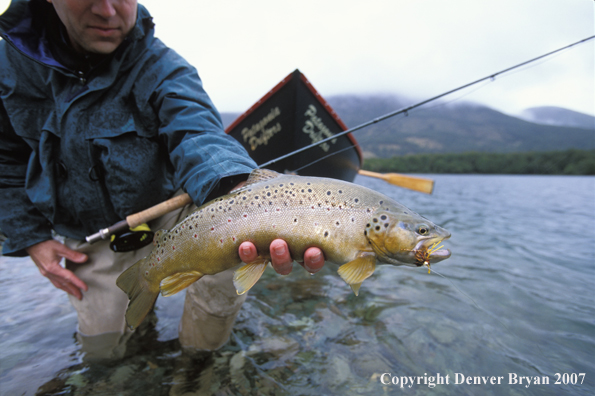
point(356, 200)
point(328, 193)
point(385, 225)
point(326, 234)
point(375, 220)
point(377, 228)
point(256, 197)
point(340, 191)
point(383, 217)
point(309, 190)
point(366, 233)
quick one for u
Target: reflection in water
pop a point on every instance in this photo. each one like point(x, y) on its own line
point(523, 249)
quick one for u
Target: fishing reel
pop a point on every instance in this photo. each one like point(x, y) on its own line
point(131, 239)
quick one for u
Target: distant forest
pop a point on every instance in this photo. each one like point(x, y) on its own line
point(568, 162)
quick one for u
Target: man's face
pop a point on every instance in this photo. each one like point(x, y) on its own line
point(96, 26)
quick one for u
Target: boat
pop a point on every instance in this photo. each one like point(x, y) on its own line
point(289, 117)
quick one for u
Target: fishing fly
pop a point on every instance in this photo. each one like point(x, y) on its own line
point(422, 255)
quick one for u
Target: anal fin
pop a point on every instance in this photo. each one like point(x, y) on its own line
point(358, 270)
point(247, 275)
point(177, 282)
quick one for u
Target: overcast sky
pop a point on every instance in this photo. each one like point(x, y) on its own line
point(416, 48)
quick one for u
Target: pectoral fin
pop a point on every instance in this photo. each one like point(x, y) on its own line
point(358, 270)
point(177, 282)
point(247, 275)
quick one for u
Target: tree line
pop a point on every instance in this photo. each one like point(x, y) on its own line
point(568, 162)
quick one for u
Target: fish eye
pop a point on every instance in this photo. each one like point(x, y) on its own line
point(423, 229)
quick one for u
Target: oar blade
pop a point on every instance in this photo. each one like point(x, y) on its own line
point(419, 184)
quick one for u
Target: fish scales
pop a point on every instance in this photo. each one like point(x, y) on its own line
point(351, 224)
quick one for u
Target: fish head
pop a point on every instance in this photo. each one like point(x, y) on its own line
point(405, 238)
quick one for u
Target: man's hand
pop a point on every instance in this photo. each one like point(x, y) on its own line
point(281, 259)
point(47, 256)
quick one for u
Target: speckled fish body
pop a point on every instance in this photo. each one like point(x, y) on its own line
point(354, 226)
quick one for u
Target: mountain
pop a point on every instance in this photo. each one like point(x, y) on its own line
point(440, 128)
point(550, 115)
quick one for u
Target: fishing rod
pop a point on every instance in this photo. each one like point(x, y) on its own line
point(137, 221)
point(406, 110)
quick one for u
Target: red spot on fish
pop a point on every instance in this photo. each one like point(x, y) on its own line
point(173, 248)
point(212, 228)
point(234, 238)
point(245, 215)
point(196, 235)
point(229, 220)
point(221, 240)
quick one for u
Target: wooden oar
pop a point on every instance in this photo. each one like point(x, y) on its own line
point(413, 183)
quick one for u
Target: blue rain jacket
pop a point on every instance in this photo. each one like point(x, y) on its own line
point(82, 149)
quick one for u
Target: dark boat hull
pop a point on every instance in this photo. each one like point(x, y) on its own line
point(291, 116)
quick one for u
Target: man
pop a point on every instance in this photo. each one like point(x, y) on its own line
point(99, 120)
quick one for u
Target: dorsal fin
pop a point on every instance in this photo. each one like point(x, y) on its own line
point(259, 175)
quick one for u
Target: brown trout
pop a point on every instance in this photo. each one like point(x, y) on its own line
point(354, 226)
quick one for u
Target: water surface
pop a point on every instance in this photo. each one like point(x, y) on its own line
point(518, 301)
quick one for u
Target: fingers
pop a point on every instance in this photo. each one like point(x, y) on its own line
point(47, 256)
point(313, 260)
point(65, 280)
point(73, 255)
point(280, 257)
point(247, 252)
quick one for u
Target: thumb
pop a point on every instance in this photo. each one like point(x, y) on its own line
point(73, 255)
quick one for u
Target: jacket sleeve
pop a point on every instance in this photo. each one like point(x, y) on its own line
point(206, 160)
point(22, 223)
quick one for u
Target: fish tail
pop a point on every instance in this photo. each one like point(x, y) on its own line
point(139, 292)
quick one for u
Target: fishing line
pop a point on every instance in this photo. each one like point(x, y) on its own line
point(406, 110)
